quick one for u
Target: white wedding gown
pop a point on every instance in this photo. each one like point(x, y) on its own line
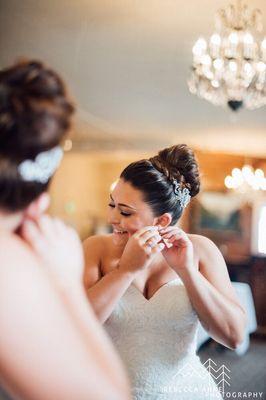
point(156, 340)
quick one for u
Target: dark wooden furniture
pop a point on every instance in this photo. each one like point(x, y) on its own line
point(253, 272)
point(258, 287)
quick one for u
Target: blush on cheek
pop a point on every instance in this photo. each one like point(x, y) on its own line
point(136, 227)
point(138, 221)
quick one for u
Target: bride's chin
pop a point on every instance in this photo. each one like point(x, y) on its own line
point(120, 239)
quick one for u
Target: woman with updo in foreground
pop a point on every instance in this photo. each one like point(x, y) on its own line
point(150, 283)
point(51, 345)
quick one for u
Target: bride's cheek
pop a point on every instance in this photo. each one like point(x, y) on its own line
point(134, 226)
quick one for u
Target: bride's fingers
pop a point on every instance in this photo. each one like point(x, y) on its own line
point(177, 232)
point(151, 235)
point(170, 230)
point(158, 248)
point(145, 230)
point(60, 227)
point(178, 241)
point(180, 238)
point(174, 238)
point(170, 234)
point(152, 241)
point(46, 226)
point(32, 235)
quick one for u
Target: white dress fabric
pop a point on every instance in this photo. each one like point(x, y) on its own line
point(156, 340)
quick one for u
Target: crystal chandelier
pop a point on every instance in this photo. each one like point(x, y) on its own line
point(230, 69)
point(246, 180)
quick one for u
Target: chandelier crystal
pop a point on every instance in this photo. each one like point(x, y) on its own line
point(230, 69)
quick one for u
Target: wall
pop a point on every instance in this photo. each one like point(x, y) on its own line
point(80, 189)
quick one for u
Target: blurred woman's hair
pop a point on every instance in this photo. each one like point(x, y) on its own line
point(35, 114)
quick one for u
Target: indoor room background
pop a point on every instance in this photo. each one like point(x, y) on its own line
point(127, 64)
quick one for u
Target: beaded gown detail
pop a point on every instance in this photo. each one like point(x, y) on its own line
point(156, 340)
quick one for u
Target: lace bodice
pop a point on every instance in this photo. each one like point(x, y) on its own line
point(156, 339)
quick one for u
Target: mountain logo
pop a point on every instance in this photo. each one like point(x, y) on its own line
point(218, 374)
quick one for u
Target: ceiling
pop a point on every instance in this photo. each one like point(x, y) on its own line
point(127, 63)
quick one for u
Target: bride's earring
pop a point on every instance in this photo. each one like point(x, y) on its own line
point(165, 241)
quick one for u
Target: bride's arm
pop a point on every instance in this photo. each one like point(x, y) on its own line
point(103, 292)
point(43, 353)
point(213, 295)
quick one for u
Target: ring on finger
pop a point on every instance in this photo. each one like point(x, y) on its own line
point(150, 243)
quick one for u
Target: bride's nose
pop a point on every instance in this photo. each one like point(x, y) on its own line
point(114, 217)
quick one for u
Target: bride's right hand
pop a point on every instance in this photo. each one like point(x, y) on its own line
point(140, 249)
point(57, 247)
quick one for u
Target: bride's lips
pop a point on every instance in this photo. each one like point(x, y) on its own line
point(118, 231)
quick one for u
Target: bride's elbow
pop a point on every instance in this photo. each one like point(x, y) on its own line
point(237, 332)
point(234, 342)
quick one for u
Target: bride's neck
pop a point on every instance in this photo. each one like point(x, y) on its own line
point(10, 221)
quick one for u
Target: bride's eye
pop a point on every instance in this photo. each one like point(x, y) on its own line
point(111, 205)
point(125, 214)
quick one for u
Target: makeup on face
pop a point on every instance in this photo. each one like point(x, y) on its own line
point(128, 211)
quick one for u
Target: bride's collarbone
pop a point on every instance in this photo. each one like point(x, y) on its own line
point(110, 265)
point(146, 281)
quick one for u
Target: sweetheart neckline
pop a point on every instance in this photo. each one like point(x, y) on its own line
point(158, 290)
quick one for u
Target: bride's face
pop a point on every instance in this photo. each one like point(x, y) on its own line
point(128, 212)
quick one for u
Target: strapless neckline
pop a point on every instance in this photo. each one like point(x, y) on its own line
point(158, 291)
point(156, 340)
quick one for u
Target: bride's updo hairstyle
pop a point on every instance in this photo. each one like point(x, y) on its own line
point(158, 178)
point(35, 114)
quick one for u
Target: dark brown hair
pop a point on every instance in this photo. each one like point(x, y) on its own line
point(155, 178)
point(35, 114)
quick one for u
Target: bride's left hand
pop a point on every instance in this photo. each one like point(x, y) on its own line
point(180, 256)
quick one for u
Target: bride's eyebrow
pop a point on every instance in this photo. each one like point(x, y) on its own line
point(123, 205)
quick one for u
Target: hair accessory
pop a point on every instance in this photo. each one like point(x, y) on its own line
point(182, 195)
point(43, 167)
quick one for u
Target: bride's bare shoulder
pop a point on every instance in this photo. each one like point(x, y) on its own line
point(19, 267)
point(97, 243)
point(95, 249)
point(15, 254)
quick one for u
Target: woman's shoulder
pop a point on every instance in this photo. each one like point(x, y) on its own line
point(97, 244)
point(16, 259)
point(203, 245)
point(98, 241)
point(95, 248)
point(15, 253)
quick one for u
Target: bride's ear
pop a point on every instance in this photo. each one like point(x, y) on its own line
point(163, 221)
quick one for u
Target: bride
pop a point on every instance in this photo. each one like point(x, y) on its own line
point(150, 283)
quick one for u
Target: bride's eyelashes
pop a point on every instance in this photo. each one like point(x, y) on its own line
point(121, 212)
point(125, 214)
